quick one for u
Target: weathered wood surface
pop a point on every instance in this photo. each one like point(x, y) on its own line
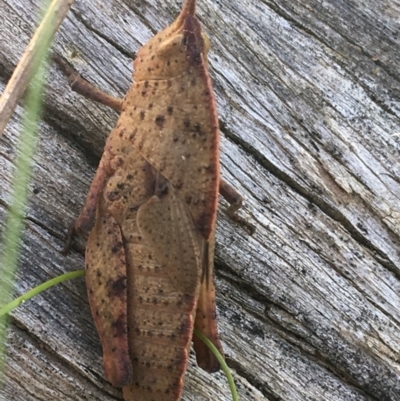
point(308, 95)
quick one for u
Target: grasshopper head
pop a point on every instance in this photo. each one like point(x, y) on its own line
point(174, 50)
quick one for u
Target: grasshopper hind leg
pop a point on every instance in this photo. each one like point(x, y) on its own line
point(106, 281)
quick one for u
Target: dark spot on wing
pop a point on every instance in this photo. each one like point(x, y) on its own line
point(160, 119)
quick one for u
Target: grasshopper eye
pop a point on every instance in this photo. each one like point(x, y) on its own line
point(171, 46)
point(207, 43)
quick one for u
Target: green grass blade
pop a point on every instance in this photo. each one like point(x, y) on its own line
point(221, 361)
point(37, 290)
point(23, 169)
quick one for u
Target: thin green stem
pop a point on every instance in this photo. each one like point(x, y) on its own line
point(37, 290)
point(221, 361)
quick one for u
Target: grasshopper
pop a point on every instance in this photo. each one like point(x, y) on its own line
point(152, 209)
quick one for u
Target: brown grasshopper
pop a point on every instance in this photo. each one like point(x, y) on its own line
point(153, 201)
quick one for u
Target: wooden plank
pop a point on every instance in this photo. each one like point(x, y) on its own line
point(308, 98)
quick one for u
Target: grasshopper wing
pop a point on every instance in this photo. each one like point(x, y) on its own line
point(106, 285)
point(165, 262)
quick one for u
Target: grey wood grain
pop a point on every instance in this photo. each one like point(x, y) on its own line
point(308, 97)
